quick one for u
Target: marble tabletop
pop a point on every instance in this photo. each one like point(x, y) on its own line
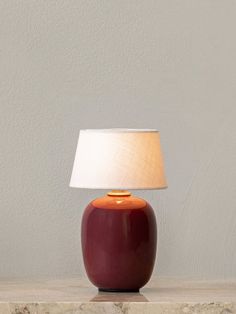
point(76, 295)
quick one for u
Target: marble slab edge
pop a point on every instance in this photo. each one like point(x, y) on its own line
point(117, 308)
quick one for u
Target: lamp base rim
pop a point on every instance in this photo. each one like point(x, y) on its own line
point(118, 290)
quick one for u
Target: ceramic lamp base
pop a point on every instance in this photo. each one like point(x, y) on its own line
point(119, 236)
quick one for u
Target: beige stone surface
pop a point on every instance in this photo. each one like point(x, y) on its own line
point(76, 295)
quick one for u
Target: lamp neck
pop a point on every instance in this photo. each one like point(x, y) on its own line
point(119, 193)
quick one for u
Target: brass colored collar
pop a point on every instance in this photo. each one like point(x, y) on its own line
point(119, 193)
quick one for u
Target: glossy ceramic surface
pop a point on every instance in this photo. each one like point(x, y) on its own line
point(119, 236)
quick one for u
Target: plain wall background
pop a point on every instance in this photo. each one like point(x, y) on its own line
point(67, 65)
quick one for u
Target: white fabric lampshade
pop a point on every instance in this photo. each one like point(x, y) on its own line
point(118, 159)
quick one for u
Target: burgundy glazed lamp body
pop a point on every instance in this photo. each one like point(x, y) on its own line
point(119, 231)
point(119, 237)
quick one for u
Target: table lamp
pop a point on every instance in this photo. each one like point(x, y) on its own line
point(119, 230)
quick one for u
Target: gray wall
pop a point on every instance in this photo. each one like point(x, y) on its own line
point(67, 65)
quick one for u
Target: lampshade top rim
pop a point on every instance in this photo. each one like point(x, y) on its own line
point(121, 130)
